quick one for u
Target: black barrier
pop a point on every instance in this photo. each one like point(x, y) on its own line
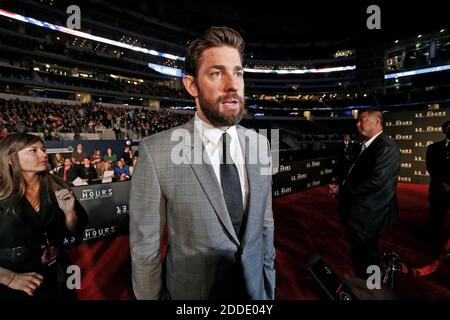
point(107, 209)
point(299, 175)
point(414, 132)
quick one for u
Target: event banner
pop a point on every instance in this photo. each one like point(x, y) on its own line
point(304, 174)
point(413, 132)
point(107, 209)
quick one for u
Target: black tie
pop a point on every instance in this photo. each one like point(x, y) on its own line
point(231, 185)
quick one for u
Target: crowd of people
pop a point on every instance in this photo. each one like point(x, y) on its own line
point(51, 119)
point(91, 168)
point(101, 80)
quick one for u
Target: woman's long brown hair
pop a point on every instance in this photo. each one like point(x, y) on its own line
point(12, 183)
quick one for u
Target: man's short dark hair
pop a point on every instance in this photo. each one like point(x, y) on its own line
point(445, 125)
point(213, 37)
point(374, 112)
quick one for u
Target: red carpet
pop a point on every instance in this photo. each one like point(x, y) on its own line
point(105, 269)
point(306, 224)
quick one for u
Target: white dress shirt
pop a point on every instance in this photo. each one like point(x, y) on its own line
point(211, 138)
point(367, 143)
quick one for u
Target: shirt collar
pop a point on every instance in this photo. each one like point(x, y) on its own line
point(211, 133)
point(369, 142)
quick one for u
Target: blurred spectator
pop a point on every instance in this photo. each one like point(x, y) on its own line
point(121, 171)
point(96, 157)
point(78, 155)
point(102, 167)
point(127, 156)
point(67, 172)
point(3, 132)
point(117, 132)
point(87, 171)
point(57, 161)
point(133, 164)
point(110, 157)
point(47, 135)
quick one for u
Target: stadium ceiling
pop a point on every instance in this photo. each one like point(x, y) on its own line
point(282, 29)
point(286, 21)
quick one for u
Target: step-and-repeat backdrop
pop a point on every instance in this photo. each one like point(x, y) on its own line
point(414, 131)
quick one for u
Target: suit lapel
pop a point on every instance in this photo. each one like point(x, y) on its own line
point(206, 176)
point(364, 156)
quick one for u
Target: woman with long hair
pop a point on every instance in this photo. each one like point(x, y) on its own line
point(37, 213)
point(96, 157)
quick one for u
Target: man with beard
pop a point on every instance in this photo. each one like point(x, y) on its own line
point(206, 185)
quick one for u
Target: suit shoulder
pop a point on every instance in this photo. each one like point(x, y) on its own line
point(389, 141)
point(436, 145)
point(162, 138)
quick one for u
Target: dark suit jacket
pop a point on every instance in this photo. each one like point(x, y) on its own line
point(368, 200)
point(347, 155)
point(437, 165)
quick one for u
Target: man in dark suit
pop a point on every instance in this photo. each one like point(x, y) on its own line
point(438, 166)
point(367, 195)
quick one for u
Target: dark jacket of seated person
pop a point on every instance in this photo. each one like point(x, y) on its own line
point(86, 171)
point(68, 172)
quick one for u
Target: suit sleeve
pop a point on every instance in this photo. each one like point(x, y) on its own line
point(432, 169)
point(269, 249)
point(387, 164)
point(147, 218)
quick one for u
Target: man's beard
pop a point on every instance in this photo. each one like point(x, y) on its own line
point(215, 117)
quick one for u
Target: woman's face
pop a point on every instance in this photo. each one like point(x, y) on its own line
point(33, 158)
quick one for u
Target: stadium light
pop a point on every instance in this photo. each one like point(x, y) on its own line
point(87, 35)
point(417, 71)
point(169, 56)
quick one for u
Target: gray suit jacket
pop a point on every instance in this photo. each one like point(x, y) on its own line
point(202, 244)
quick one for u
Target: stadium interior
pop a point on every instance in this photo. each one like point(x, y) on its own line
point(309, 72)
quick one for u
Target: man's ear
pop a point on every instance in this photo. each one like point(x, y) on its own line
point(190, 85)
